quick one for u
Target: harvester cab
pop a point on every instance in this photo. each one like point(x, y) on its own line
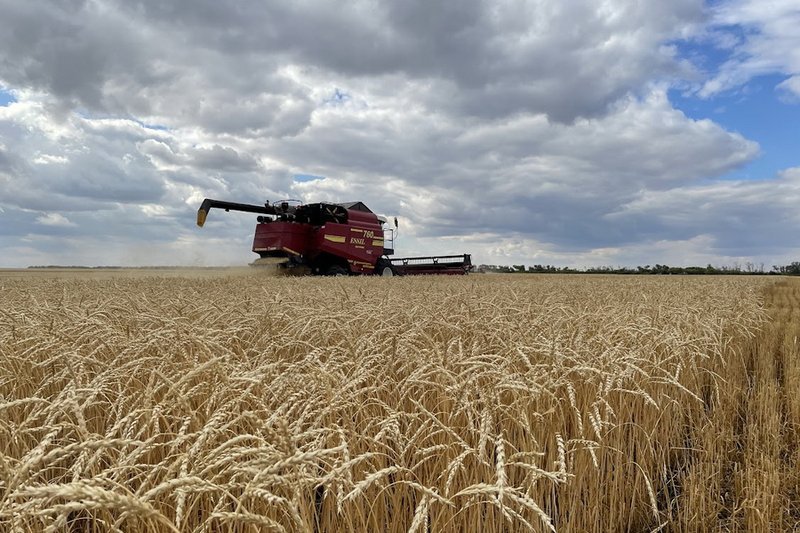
point(332, 239)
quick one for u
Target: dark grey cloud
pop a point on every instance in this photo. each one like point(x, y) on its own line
point(106, 58)
point(6, 163)
point(71, 49)
point(214, 157)
point(487, 59)
point(221, 64)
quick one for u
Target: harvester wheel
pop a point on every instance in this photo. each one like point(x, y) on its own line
point(384, 268)
point(336, 270)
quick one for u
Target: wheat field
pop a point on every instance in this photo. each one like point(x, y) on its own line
point(236, 401)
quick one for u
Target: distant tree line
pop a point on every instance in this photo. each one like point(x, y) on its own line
point(792, 269)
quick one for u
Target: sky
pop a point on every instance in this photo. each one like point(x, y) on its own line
point(566, 132)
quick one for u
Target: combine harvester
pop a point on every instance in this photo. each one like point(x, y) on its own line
point(332, 240)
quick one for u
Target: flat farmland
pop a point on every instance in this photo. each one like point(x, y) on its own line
point(233, 400)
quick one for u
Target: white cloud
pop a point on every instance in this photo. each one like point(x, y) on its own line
point(769, 44)
point(53, 219)
point(791, 89)
point(48, 159)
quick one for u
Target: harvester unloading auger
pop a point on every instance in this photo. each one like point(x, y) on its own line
point(333, 239)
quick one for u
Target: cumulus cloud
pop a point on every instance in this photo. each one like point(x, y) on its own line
point(768, 44)
point(527, 175)
point(231, 68)
point(740, 217)
point(514, 129)
point(53, 219)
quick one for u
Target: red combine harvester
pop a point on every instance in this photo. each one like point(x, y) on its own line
point(333, 239)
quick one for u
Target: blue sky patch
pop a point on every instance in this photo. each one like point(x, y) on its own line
point(303, 178)
point(339, 97)
point(89, 115)
point(6, 97)
point(755, 111)
point(157, 127)
point(710, 53)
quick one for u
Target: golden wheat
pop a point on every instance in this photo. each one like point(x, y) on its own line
point(483, 403)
